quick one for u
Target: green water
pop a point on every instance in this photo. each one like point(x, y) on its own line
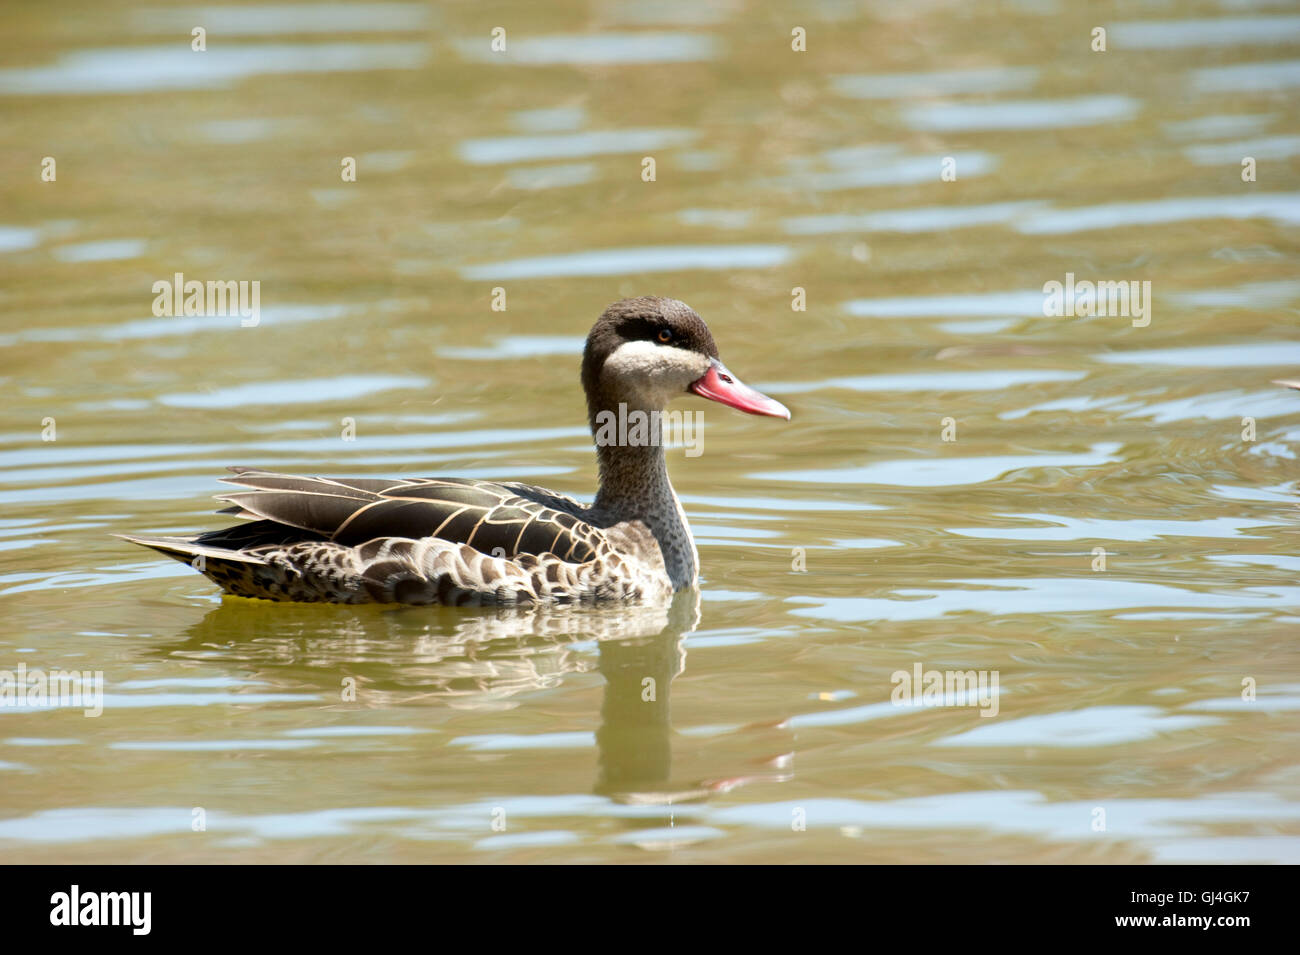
point(837, 550)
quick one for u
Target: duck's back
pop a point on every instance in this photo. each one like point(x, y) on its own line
point(418, 541)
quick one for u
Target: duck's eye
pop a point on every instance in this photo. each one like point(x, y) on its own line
point(664, 336)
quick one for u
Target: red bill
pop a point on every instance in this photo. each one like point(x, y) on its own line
point(722, 386)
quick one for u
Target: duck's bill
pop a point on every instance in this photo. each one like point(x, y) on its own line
point(722, 386)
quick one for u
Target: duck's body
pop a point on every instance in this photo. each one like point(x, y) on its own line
point(419, 541)
point(462, 542)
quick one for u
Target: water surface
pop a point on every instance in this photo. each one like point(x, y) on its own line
point(1111, 528)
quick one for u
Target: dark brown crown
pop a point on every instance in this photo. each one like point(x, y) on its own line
point(641, 319)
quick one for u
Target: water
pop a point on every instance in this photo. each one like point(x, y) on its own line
point(1099, 535)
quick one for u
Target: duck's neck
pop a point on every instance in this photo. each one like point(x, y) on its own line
point(634, 485)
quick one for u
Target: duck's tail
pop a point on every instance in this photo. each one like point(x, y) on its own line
point(234, 571)
point(189, 549)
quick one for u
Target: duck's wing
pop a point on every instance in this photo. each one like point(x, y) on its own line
point(548, 498)
point(495, 519)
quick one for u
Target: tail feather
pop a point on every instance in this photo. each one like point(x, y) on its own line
point(236, 572)
point(185, 549)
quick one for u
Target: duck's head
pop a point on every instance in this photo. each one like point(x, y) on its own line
point(644, 352)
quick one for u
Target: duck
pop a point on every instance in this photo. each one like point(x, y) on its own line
point(460, 542)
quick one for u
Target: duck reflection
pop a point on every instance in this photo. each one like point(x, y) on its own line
point(478, 660)
point(635, 736)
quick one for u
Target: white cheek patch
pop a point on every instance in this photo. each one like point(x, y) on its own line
point(644, 373)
